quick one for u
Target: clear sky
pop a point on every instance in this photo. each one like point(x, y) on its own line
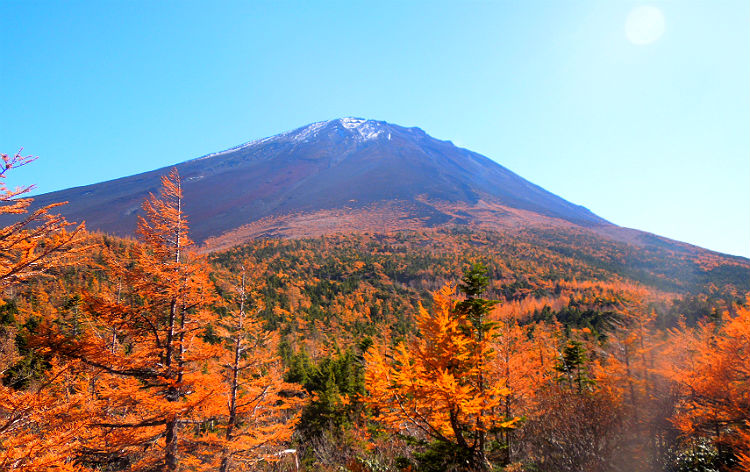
point(639, 111)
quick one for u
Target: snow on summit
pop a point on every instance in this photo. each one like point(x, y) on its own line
point(306, 132)
point(360, 129)
point(367, 129)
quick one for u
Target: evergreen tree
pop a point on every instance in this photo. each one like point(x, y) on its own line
point(572, 366)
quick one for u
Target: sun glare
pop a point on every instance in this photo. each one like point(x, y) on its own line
point(644, 25)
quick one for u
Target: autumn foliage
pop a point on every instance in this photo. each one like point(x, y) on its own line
point(318, 354)
point(260, 406)
point(441, 385)
point(40, 425)
point(135, 379)
point(38, 239)
point(713, 375)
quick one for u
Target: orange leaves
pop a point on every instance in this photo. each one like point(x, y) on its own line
point(157, 365)
point(257, 416)
point(41, 428)
point(165, 227)
point(36, 241)
point(143, 343)
point(713, 371)
point(440, 385)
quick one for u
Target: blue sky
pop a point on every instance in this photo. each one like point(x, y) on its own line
point(654, 136)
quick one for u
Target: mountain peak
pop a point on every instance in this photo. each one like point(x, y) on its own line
point(358, 130)
point(355, 130)
point(350, 165)
point(361, 129)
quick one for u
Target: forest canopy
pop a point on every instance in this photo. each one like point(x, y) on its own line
point(435, 350)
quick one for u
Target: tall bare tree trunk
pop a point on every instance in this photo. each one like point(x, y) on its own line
point(235, 373)
point(170, 449)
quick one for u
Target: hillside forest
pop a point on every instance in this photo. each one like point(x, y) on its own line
point(446, 349)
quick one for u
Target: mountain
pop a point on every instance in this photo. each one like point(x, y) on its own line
point(329, 176)
point(355, 175)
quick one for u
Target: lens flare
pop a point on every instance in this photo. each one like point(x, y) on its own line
point(644, 25)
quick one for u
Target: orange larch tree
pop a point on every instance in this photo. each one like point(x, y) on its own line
point(712, 371)
point(525, 361)
point(37, 240)
point(156, 387)
point(440, 386)
point(41, 427)
point(258, 416)
point(38, 423)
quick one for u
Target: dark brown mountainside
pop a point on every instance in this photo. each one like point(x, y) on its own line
point(315, 176)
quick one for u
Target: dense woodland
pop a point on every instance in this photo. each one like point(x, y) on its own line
point(436, 350)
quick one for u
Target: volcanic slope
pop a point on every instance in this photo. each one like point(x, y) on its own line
point(352, 175)
point(332, 176)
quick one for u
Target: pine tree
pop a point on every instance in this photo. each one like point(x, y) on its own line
point(573, 367)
